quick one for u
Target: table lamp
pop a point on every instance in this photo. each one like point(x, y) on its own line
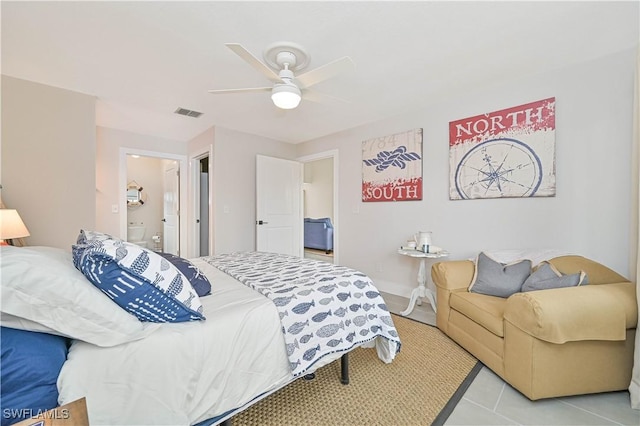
point(11, 226)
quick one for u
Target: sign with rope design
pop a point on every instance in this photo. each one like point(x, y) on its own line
point(392, 167)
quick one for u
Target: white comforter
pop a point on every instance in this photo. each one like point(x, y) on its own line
point(184, 373)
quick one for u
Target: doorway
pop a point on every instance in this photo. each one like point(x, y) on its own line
point(202, 207)
point(163, 193)
point(320, 202)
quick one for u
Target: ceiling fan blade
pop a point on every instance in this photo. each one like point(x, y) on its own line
point(313, 96)
point(244, 90)
point(325, 72)
point(254, 62)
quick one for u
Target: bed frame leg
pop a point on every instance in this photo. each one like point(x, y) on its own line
point(344, 369)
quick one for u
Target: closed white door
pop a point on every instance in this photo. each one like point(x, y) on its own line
point(171, 218)
point(279, 206)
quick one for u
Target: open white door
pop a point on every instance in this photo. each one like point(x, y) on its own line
point(279, 206)
point(171, 218)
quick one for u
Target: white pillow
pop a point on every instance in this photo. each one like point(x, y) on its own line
point(41, 285)
point(535, 255)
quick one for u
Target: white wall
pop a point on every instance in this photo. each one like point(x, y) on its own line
point(589, 215)
point(110, 141)
point(48, 160)
point(318, 188)
point(234, 186)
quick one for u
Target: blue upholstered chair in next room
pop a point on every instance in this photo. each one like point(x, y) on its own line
point(318, 234)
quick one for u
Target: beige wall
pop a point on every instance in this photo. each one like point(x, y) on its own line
point(48, 173)
point(49, 160)
point(318, 188)
point(234, 180)
point(590, 214)
point(233, 188)
point(109, 144)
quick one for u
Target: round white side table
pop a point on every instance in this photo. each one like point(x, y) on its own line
point(422, 290)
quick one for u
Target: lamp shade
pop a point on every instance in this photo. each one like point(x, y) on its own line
point(11, 225)
point(286, 96)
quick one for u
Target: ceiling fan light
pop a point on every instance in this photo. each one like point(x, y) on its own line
point(286, 96)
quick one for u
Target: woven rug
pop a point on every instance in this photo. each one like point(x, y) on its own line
point(412, 390)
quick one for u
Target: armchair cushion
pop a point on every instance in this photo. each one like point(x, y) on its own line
point(572, 314)
point(487, 311)
point(597, 273)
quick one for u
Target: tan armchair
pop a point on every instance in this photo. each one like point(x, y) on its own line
point(546, 343)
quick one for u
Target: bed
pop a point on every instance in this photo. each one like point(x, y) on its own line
point(268, 320)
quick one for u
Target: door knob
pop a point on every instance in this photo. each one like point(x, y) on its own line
point(261, 222)
point(164, 220)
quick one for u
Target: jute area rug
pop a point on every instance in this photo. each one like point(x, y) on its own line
point(412, 390)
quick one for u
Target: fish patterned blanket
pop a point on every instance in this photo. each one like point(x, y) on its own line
point(324, 308)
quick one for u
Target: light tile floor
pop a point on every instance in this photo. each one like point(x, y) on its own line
point(491, 401)
point(318, 255)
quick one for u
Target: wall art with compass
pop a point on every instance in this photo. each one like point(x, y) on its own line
point(504, 154)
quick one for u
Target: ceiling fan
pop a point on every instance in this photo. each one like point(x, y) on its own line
point(282, 59)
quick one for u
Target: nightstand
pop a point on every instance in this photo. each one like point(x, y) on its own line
point(422, 290)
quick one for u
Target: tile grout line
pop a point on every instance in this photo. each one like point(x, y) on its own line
point(495, 406)
point(588, 411)
point(490, 410)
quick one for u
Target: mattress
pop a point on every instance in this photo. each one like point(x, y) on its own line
point(185, 373)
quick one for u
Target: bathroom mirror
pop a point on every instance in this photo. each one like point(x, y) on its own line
point(134, 195)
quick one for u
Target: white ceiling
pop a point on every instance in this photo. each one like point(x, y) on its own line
point(142, 60)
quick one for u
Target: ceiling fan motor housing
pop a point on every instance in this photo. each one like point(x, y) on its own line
point(286, 60)
point(279, 53)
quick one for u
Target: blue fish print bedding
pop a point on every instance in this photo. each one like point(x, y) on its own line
point(323, 308)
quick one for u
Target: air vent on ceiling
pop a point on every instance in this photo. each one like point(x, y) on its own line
point(188, 112)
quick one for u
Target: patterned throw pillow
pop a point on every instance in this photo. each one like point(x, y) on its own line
point(139, 281)
point(499, 279)
point(85, 236)
point(198, 280)
point(546, 276)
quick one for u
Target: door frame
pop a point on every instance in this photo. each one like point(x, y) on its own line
point(336, 229)
point(183, 197)
point(194, 176)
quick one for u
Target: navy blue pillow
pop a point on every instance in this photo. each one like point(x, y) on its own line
point(198, 280)
point(30, 365)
